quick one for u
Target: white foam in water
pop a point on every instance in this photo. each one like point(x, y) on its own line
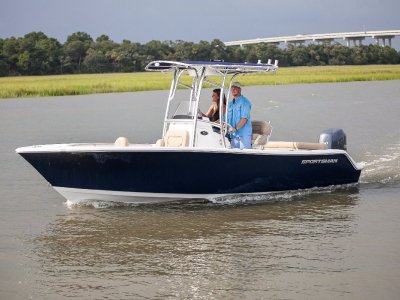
point(96, 204)
point(383, 168)
point(101, 204)
point(277, 196)
point(224, 200)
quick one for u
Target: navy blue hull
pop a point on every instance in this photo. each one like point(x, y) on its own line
point(189, 172)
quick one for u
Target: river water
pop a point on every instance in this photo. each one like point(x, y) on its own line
point(336, 243)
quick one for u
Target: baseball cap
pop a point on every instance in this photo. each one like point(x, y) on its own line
point(236, 84)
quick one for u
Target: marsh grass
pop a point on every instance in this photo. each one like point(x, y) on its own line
point(61, 85)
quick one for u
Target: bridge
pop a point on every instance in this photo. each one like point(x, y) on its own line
point(381, 38)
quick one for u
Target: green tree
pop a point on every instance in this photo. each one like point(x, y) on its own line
point(96, 62)
point(359, 55)
point(389, 56)
point(317, 54)
point(218, 50)
point(236, 54)
point(339, 55)
point(11, 54)
point(182, 50)
point(37, 54)
point(374, 54)
point(128, 57)
point(201, 51)
point(74, 51)
point(103, 38)
point(157, 50)
point(101, 56)
point(4, 65)
point(298, 55)
point(265, 52)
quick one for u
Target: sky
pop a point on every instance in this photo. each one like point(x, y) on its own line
point(145, 20)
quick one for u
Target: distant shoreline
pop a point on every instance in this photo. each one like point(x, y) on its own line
point(82, 84)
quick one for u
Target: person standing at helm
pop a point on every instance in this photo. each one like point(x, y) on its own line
point(239, 118)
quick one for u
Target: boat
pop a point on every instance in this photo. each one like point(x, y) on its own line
point(193, 159)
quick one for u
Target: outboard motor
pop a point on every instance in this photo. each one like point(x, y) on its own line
point(334, 138)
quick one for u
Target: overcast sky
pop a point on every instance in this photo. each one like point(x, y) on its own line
point(189, 20)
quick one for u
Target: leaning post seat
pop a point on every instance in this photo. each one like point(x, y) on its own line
point(121, 142)
point(261, 132)
point(159, 143)
point(176, 138)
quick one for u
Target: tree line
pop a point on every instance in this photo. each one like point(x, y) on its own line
point(38, 54)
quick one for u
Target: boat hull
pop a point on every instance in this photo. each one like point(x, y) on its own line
point(144, 176)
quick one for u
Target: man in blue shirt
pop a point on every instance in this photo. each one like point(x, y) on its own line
point(239, 119)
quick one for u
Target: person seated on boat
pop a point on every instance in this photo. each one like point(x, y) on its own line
point(213, 111)
point(239, 118)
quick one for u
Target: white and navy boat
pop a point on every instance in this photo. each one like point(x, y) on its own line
point(177, 166)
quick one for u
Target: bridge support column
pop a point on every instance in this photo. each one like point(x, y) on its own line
point(354, 40)
point(383, 38)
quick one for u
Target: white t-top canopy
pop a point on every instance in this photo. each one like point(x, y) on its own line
point(212, 67)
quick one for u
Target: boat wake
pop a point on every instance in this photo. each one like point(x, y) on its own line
point(286, 196)
point(101, 204)
point(93, 203)
point(271, 197)
point(382, 169)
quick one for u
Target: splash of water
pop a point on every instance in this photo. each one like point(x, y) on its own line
point(273, 197)
point(382, 168)
point(98, 204)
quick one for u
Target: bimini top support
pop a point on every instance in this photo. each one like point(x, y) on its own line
point(199, 71)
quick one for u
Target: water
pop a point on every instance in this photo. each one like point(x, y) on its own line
point(333, 243)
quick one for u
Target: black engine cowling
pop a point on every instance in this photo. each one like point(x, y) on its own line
point(335, 138)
